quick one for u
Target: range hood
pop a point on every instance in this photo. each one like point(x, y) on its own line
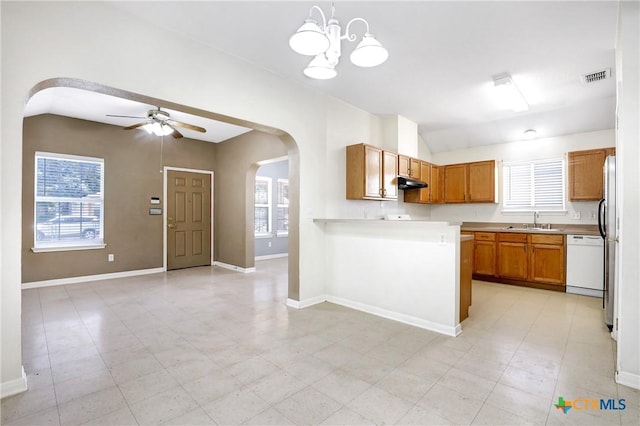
point(410, 183)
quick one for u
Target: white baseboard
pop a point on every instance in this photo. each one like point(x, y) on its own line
point(87, 278)
point(628, 379)
point(396, 316)
point(272, 256)
point(14, 387)
point(301, 304)
point(234, 267)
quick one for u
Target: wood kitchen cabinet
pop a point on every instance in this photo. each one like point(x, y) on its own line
point(534, 258)
point(513, 256)
point(371, 173)
point(585, 173)
point(430, 174)
point(484, 255)
point(409, 167)
point(466, 268)
point(470, 182)
point(547, 261)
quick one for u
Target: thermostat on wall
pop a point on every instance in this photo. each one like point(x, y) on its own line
point(154, 200)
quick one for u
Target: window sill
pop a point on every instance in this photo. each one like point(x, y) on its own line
point(67, 248)
point(282, 234)
point(544, 212)
point(263, 235)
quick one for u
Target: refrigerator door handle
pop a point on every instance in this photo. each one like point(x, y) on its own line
point(601, 208)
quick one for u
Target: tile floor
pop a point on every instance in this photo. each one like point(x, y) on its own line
point(208, 346)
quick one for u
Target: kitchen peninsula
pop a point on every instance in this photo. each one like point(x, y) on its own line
point(406, 270)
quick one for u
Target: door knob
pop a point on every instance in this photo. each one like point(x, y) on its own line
point(170, 226)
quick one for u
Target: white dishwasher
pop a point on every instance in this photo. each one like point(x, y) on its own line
point(585, 265)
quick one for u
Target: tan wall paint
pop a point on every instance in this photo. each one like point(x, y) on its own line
point(132, 175)
point(236, 165)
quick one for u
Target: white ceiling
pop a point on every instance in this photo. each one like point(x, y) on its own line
point(442, 59)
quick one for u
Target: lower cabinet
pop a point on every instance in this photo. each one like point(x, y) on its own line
point(528, 258)
point(466, 269)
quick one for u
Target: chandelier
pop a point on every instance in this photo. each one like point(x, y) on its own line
point(324, 43)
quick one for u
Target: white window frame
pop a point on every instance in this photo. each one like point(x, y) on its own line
point(280, 233)
point(74, 243)
point(268, 205)
point(532, 207)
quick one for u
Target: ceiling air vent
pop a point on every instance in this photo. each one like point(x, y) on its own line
point(592, 77)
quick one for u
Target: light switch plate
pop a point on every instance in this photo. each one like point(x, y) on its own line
point(575, 215)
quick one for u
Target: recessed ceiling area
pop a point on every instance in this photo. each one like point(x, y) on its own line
point(93, 106)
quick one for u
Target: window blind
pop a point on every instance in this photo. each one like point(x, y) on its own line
point(534, 185)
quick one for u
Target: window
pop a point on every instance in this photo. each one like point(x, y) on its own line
point(282, 208)
point(69, 202)
point(534, 185)
point(262, 206)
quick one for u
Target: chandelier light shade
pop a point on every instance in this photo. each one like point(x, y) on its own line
point(324, 42)
point(320, 68)
point(309, 40)
point(369, 52)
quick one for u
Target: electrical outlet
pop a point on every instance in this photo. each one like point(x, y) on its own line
point(269, 244)
point(443, 240)
point(575, 215)
point(594, 214)
point(111, 257)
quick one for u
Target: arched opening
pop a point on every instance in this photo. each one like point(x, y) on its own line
point(225, 185)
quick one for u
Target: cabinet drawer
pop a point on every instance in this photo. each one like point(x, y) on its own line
point(513, 238)
point(547, 239)
point(485, 236)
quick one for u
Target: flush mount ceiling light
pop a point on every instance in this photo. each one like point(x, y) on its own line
point(508, 95)
point(530, 134)
point(324, 42)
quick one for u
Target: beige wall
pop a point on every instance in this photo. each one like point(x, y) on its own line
point(132, 175)
point(236, 165)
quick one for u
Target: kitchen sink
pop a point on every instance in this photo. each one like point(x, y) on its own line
point(545, 228)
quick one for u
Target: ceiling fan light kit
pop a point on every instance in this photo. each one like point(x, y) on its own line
point(324, 42)
point(159, 123)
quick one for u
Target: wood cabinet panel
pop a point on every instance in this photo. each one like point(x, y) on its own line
point(466, 268)
point(408, 166)
point(484, 258)
point(513, 237)
point(585, 173)
point(371, 173)
point(455, 183)
point(547, 264)
point(437, 180)
point(481, 185)
point(512, 260)
point(485, 236)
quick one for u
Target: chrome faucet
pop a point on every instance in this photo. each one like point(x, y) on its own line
point(535, 219)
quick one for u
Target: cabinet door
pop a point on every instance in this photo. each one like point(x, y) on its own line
point(512, 260)
point(585, 174)
point(437, 180)
point(455, 183)
point(547, 264)
point(466, 266)
point(404, 165)
point(425, 176)
point(414, 168)
point(484, 258)
point(390, 170)
point(481, 187)
point(372, 172)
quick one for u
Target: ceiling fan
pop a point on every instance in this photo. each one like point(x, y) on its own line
point(160, 123)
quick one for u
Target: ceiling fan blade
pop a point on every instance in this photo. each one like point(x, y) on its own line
point(176, 134)
point(188, 126)
point(135, 126)
point(123, 116)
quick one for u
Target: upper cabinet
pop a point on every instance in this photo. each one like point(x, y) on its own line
point(409, 167)
point(430, 174)
point(371, 173)
point(585, 173)
point(470, 182)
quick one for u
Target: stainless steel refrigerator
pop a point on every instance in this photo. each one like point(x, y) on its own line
point(607, 226)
